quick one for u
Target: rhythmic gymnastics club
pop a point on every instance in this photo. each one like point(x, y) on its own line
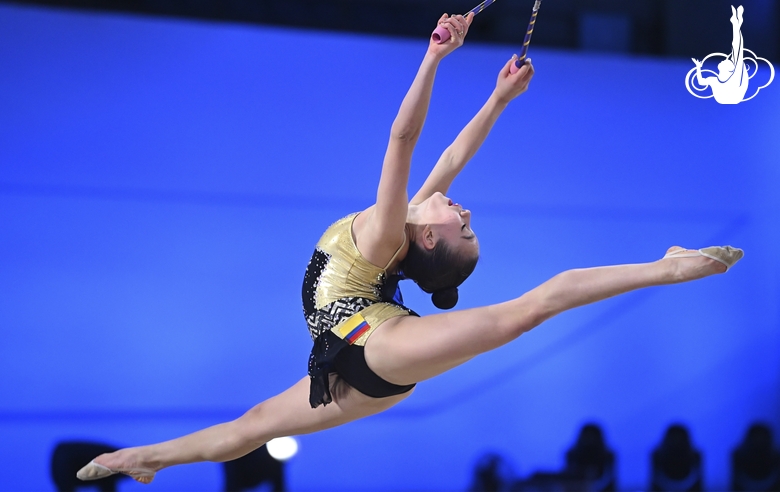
point(442, 34)
point(521, 59)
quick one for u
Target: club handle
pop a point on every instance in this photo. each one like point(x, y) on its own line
point(526, 41)
point(441, 34)
point(517, 65)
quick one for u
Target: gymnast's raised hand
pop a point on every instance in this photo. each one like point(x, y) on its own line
point(510, 85)
point(458, 26)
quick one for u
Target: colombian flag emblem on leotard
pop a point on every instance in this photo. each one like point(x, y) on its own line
point(355, 326)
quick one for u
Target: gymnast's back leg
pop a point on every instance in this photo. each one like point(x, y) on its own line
point(285, 414)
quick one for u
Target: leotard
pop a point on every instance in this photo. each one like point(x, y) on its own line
point(345, 298)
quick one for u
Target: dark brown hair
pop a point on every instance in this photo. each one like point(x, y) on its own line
point(438, 271)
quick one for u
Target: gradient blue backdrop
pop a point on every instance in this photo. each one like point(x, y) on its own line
point(163, 183)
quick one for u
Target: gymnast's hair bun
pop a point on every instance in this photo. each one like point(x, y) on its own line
point(445, 299)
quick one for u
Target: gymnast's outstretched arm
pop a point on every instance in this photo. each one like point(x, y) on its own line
point(386, 221)
point(470, 139)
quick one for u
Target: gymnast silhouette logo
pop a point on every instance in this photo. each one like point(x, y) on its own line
point(730, 84)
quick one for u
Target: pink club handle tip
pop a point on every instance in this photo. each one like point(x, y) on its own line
point(440, 34)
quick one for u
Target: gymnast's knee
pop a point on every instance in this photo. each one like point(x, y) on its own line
point(251, 428)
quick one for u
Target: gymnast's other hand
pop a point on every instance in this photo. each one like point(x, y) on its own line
point(510, 85)
point(458, 26)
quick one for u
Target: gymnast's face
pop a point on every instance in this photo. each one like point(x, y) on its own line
point(450, 222)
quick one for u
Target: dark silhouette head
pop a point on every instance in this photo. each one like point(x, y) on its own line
point(589, 458)
point(675, 457)
point(591, 438)
point(491, 474)
point(253, 469)
point(759, 439)
point(677, 439)
point(755, 458)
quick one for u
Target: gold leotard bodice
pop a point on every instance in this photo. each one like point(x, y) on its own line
point(347, 273)
point(340, 282)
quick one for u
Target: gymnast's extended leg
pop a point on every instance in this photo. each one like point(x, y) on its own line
point(285, 414)
point(409, 350)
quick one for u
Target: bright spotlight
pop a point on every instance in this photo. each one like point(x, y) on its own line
point(282, 448)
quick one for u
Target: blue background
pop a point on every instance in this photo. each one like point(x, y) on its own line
point(163, 183)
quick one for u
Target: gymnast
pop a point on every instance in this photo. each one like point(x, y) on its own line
point(369, 350)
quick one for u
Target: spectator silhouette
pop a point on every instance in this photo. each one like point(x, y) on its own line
point(590, 461)
point(676, 465)
point(492, 474)
point(755, 465)
point(69, 456)
point(589, 467)
point(255, 468)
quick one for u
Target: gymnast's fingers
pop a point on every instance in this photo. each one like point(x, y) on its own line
point(454, 36)
point(505, 71)
point(466, 22)
point(457, 24)
point(463, 24)
point(519, 73)
point(529, 70)
point(443, 20)
point(460, 22)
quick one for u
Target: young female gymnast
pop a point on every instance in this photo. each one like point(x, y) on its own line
point(369, 350)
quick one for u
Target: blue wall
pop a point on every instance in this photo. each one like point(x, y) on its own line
point(163, 183)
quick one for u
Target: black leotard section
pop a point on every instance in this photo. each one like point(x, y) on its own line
point(351, 366)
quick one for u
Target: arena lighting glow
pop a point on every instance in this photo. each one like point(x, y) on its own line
point(282, 448)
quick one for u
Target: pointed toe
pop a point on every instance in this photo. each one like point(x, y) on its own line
point(93, 471)
point(726, 254)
